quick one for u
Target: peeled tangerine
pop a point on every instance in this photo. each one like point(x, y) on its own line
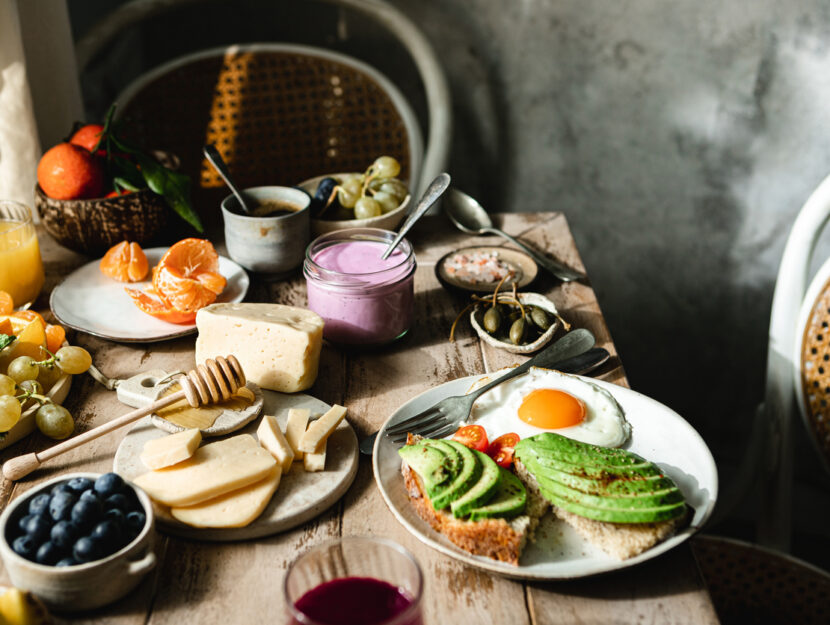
point(125, 262)
point(18, 607)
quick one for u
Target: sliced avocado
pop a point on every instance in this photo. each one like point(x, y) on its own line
point(590, 469)
point(453, 464)
point(480, 492)
point(653, 499)
point(558, 447)
point(468, 475)
point(429, 463)
point(640, 515)
point(508, 501)
point(597, 485)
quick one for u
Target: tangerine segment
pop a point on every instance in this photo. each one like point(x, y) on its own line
point(55, 336)
point(6, 303)
point(213, 281)
point(6, 327)
point(30, 315)
point(157, 309)
point(125, 262)
point(179, 292)
point(191, 257)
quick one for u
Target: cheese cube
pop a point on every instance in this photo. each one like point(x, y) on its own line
point(214, 470)
point(271, 438)
point(169, 450)
point(317, 433)
point(295, 428)
point(234, 509)
point(315, 461)
point(278, 346)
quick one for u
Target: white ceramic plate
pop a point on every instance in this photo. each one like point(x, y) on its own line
point(300, 496)
point(89, 301)
point(659, 435)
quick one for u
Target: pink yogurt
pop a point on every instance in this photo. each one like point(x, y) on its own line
point(363, 298)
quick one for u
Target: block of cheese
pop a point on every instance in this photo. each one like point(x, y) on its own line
point(169, 450)
point(234, 509)
point(295, 428)
point(315, 461)
point(278, 346)
point(271, 438)
point(215, 469)
point(317, 433)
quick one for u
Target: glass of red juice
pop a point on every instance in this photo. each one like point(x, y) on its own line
point(354, 581)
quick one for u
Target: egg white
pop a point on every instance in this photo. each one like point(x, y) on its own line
point(497, 410)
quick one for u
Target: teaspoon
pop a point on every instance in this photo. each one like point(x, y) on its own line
point(470, 217)
point(435, 190)
point(219, 164)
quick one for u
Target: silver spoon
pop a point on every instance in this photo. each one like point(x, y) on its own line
point(219, 164)
point(470, 217)
point(435, 190)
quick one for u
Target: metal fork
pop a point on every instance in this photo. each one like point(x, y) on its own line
point(449, 413)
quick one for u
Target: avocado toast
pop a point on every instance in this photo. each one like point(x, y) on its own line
point(613, 498)
point(463, 494)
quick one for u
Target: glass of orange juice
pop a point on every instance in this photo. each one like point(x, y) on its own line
point(21, 268)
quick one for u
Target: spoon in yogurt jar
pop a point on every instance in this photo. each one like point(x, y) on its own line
point(434, 191)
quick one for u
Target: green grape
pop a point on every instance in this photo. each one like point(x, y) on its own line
point(32, 386)
point(72, 359)
point(387, 201)
point(23, 368)
point(377, 183)
point(9, 412)
point(54, 421)
point(352, 185)
point(7, 385)
point(396, 188)
point(48, 375)
point(367, 207)
point(386, 167)
point(346, 199)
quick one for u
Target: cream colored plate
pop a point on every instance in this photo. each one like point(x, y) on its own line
point(301, 496)
point(525, 267)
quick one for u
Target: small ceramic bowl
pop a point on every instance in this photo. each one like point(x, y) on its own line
point(387, 221)
point(531, 299)
point(82, 586)
point(270, 244)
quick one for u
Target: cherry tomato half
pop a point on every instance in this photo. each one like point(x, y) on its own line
point(473, 436)
point(501, 449)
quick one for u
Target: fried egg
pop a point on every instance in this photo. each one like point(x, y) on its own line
point(544, 400)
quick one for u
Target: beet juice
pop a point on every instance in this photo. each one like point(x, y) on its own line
point(357, 601)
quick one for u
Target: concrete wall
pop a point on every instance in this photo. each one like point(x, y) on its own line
point(679, 138)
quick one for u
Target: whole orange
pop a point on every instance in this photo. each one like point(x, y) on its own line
point(69, 172)
point(88, 136)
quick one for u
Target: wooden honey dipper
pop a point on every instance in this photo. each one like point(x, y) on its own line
point(210, 383)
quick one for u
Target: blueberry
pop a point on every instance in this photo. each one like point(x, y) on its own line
point(70, 561)
point(136, 520)
point(118, 500)
point(49, 553)
point(25, 546)
point(80, 484)
point(321, 196)
point(110, 535)
point(108, 484)
point(38, 527)
point(86, 549)
point(62, 488)
point(86, 512)
point(116, 515)
point(24, 521)
point(64, 533)
point(40, 504)
point(60, 507)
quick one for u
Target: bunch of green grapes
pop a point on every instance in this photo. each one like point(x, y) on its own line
point(370, 194)
point(26, 378)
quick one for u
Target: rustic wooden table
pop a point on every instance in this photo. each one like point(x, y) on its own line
point(241, 582)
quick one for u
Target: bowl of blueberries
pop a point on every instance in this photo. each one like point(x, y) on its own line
point(78, 541)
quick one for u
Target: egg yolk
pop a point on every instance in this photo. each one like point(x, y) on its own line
point(551, 409)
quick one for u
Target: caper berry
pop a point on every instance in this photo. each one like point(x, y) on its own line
point(540, 318)
point(517, 331)
point(492, 320)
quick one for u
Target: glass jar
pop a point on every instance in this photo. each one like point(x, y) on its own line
point(21, 268)
point(363, 299)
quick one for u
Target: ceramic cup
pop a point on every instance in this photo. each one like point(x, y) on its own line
point(83, 586)
point(275, 244)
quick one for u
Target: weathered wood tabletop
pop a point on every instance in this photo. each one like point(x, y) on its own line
point(241, 582)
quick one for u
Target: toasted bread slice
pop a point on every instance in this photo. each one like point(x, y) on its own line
point(621, 540)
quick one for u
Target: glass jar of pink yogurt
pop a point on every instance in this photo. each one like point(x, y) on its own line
point(364, 299)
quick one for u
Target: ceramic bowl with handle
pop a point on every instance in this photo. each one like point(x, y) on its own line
point(82, 586)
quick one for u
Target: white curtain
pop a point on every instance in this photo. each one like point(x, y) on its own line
point(39, 89)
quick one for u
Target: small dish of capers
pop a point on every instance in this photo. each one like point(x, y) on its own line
point(522, 323)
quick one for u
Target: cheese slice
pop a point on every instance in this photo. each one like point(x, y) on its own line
point(278, 346)
point(237, 508)
point(319, 431)
point(295, 428)
point(214, 470)
point(271, 438)
point(315, 461)
point(169, 450)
